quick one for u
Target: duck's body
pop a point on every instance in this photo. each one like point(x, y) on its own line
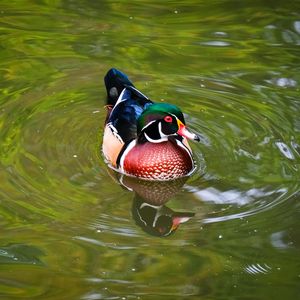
point(165, 160)
point(142, 138)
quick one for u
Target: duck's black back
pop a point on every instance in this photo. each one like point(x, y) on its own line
point(115, 81)
point(128, 102)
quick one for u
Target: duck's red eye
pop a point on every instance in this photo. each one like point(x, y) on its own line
point(168, 119)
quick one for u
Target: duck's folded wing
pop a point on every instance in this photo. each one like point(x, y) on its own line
point(125, 113)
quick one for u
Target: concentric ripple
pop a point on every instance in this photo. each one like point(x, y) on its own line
point(80, 231)
point(249, 148)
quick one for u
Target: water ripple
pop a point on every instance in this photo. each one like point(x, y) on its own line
point(69, 224)
point(256, 269)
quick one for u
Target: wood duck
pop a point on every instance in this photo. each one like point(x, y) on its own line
point(141, 138)
point(157, 220)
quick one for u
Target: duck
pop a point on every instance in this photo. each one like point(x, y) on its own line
point(143, 138)
point(158, 220)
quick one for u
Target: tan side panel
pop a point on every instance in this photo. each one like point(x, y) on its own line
point(111, 146)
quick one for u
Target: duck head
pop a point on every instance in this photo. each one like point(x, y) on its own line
point(161, 121)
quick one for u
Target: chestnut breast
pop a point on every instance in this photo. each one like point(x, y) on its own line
point(160, 161)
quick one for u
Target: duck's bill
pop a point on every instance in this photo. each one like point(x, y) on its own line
point(180, 218)
point(183, 131)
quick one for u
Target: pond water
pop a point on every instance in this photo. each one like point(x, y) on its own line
point(72, 229)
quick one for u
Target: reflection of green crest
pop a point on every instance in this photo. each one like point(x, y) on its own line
point(158, 111)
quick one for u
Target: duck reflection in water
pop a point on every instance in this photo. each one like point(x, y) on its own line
point(157, 220)
point(148, 207)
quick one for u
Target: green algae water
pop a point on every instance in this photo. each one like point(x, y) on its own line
point(73, 229)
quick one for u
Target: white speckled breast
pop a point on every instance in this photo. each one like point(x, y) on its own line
point(159, 161)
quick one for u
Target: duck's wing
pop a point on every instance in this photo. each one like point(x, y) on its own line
point(125, 113)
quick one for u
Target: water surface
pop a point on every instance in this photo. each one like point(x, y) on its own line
point(71, 230)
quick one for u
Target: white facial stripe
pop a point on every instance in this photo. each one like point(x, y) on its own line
point(162, 135)
point(164, 139)
point(147, 125)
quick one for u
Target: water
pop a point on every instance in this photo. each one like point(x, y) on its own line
point(71, 230)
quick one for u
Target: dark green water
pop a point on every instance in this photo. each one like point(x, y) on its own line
point(69, 230)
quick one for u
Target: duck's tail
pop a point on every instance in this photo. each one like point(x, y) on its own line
point(115, 81)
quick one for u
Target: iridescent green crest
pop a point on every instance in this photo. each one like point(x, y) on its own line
point(158, 111)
